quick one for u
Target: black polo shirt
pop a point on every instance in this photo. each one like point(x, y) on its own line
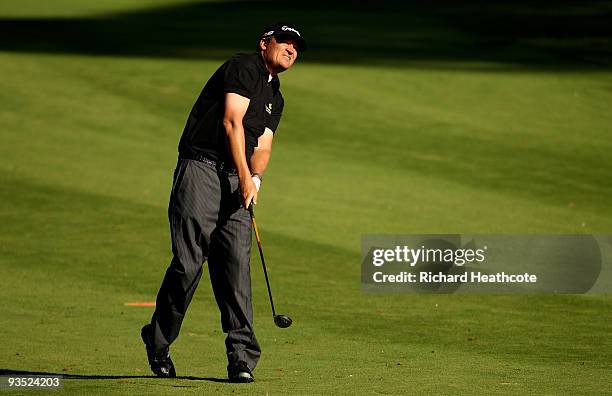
point(245, 75)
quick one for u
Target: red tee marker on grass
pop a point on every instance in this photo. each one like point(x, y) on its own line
point(140, 304)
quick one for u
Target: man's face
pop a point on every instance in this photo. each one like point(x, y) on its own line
point(279, 54)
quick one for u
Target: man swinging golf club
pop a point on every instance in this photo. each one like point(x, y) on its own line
point(223, 153)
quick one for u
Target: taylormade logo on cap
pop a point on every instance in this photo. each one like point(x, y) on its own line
point(284, 28)
point(291, 30)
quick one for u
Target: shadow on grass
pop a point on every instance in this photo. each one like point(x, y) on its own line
point(544, 34)
point(102, 377)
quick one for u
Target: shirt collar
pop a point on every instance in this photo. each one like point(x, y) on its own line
point(264, 71)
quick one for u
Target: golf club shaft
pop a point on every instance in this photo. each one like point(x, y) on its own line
point(263, 261)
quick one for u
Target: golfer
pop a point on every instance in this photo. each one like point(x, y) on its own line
point(223, 154)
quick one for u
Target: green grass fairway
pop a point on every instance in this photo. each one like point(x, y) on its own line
point(518, 141)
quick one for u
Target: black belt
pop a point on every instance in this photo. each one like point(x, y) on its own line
point(218, 165)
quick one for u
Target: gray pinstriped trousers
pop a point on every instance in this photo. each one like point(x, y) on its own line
point(207, 222)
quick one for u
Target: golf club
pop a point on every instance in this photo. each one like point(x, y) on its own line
point(282, 321)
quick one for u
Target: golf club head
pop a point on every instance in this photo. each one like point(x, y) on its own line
point(282, 321)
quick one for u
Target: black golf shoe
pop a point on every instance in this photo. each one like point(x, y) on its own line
point(160, 362)
point(240, 373)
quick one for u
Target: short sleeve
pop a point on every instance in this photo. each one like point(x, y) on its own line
point(239, 78)
point(277, 112)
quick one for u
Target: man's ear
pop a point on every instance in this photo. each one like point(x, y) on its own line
point(263, 44)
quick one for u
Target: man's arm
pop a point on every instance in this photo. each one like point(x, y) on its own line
point(261, 155)
point(235, 109)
